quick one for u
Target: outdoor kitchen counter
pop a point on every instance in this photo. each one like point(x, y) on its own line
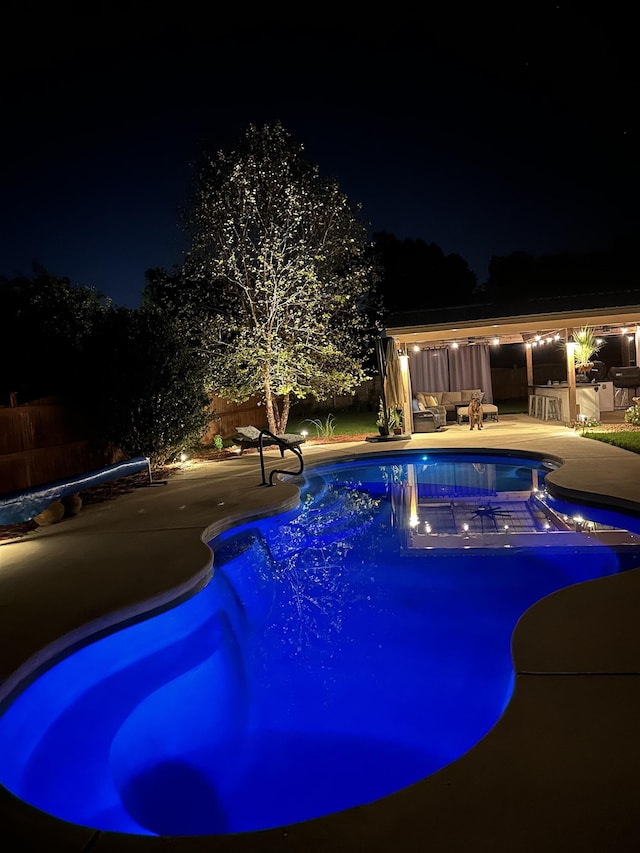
point(586, 398)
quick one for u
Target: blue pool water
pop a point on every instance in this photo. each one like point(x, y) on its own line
point(340, 652)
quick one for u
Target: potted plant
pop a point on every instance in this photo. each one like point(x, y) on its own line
point(395, 420)
point(585, 348)
point(383, 422)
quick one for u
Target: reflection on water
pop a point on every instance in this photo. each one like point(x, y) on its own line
point(341, 651)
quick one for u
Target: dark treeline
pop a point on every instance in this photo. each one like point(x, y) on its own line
point(568, 273)
point(129, 374)
point(416, 275)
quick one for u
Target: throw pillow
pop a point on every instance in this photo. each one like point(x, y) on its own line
point(430, 400)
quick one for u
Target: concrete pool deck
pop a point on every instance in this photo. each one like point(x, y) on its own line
point(558, 772)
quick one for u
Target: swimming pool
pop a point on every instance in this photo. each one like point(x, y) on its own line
point(341, 651)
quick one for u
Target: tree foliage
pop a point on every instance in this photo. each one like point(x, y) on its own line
point(567, 273)
point(47, 324)
point(417, 275)
point(150, 392)
point(280, 275)
point(133, 375)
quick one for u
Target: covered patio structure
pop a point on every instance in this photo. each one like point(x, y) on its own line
point(542, 322)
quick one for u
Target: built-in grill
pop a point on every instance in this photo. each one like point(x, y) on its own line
point(626, 381)
point(625, 377)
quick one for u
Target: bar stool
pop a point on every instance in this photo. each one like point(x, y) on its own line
point(540, 407)
point(532, 405)
point(553, 409)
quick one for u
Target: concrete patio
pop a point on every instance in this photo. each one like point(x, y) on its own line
point(558, 772)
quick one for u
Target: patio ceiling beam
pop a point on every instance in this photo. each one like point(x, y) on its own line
point(604, 321)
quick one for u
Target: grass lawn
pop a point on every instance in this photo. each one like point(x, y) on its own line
point(626, 440)
point(344, 422)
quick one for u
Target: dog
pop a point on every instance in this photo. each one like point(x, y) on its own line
point(476, 413)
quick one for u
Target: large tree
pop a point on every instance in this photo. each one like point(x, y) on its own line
point(288, 270)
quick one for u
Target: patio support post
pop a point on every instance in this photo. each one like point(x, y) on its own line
point(571, 379)
point(407, 412)
point(529, 359)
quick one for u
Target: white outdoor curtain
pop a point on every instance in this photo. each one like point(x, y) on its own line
point(448, 369)
point(470, 367)
point(429, 370)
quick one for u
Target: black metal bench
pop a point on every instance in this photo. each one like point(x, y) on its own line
point(248, 438)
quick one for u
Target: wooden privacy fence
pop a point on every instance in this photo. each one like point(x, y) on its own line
point(41, 443)
point(509, 383)
point(229, 416)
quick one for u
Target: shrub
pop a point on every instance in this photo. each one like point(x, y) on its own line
point(632, 415)
point(324, 429)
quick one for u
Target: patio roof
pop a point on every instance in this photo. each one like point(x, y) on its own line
point(608, 314)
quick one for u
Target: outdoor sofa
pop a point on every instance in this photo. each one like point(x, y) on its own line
point(453, 405)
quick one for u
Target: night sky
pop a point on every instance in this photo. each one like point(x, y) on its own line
point(484, 132)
